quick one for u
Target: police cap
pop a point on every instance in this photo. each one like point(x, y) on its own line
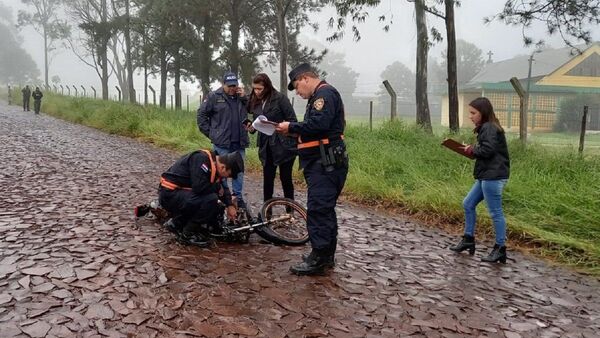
point(297, 71)
point(234, 162)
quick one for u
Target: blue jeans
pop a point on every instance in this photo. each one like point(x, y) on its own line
point(238, 183)
point(491, 192)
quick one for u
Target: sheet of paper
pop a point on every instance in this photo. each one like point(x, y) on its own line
point(263, 125)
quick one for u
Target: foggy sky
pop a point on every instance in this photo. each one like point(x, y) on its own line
point(369, 57)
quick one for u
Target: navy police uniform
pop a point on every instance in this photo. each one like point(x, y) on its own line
point(324, 159)
point(190, 190)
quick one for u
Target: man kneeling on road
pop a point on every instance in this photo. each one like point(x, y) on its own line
point(190, 190)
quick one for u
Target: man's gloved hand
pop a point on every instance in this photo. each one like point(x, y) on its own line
point(231, 213)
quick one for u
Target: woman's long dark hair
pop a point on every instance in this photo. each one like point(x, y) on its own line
point(485, 108)
point(264, 80)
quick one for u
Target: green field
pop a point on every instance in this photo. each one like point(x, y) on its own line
point(551, 201)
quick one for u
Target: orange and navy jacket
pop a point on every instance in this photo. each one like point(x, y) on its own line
point(197, 172)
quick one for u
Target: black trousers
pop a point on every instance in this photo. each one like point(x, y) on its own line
point(285, 176)
point(25, 104)
point(37, 104)
point(324, 188)
point(189, 210)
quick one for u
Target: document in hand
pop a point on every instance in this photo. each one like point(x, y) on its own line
point(263, 125)
point(457, 147)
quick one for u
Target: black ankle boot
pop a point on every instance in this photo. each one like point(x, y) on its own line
point(498, 254)
point(330, 259)
point(315, 264)
point(467, 242)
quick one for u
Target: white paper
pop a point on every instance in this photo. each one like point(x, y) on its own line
point(265, 128)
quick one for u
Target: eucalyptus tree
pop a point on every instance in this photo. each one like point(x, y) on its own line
point(96, 31)
point(571, 19)
point(44, 17)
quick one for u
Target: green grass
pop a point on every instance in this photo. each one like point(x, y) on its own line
point(551, 201)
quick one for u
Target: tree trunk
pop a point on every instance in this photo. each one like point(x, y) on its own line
point(452, 76)
point(423, 116)
point(283, 46)
point(128, 63)
point(103, 53)
point(234, 30)
point(206, 55)
point(45, 55)
point(163, 78)
point(177, 76)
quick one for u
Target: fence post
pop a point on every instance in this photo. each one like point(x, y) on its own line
point(119, 90)
point(583, 128)
point(9, 95)
point(187, 102)
point(55, 89)
point(153, 94)
point(171, 101)
point(393, 97)
point(75, 90)
point(522, 113)
point(94, 89)
point(68, 90)
point(370, 115)
point(62, 90)
point(84, 92)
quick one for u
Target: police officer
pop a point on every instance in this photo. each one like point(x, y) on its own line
point(324, 159)
point(26, 95)
point(221, 118)
point(190, 190)
point(37, 100)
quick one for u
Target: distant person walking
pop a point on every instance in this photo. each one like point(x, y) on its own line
point(491, 172)
point(26, 96)
point(276, 150)
point(37, 100)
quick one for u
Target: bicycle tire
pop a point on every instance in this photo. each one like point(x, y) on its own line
point(289, 222)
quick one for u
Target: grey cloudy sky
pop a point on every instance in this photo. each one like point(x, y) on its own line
point(368, 57)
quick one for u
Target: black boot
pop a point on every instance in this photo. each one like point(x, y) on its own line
point(194, 239)
point(498, 254)
point(330, 259)
point(315, 264)
point(467, 242)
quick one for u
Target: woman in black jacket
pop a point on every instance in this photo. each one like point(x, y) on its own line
point(491, 172)
point(275, 150)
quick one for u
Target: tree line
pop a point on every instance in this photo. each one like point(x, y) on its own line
point(200, 39)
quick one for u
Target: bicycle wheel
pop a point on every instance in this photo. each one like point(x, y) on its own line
point(285, 222)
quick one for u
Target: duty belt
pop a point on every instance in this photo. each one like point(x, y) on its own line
point(311, 144)
point(170, 185)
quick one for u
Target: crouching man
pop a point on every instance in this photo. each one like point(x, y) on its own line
point(190, 190)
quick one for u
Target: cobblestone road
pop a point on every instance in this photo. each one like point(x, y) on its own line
point(73, 265)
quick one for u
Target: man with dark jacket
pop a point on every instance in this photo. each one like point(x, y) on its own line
point(26, 96)
point(37, 99)
point(221, 118)
point(190, 190)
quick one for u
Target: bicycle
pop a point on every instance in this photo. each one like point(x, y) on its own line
point(281, 221)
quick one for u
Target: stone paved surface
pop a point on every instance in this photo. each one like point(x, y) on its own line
point(73, 265)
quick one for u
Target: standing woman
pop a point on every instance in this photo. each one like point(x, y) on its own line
point(276, 150)
point(492, 168)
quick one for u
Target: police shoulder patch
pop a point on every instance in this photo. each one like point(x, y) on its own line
point(319, 103)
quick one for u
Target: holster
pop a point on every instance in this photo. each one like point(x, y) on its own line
point(335, 157)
